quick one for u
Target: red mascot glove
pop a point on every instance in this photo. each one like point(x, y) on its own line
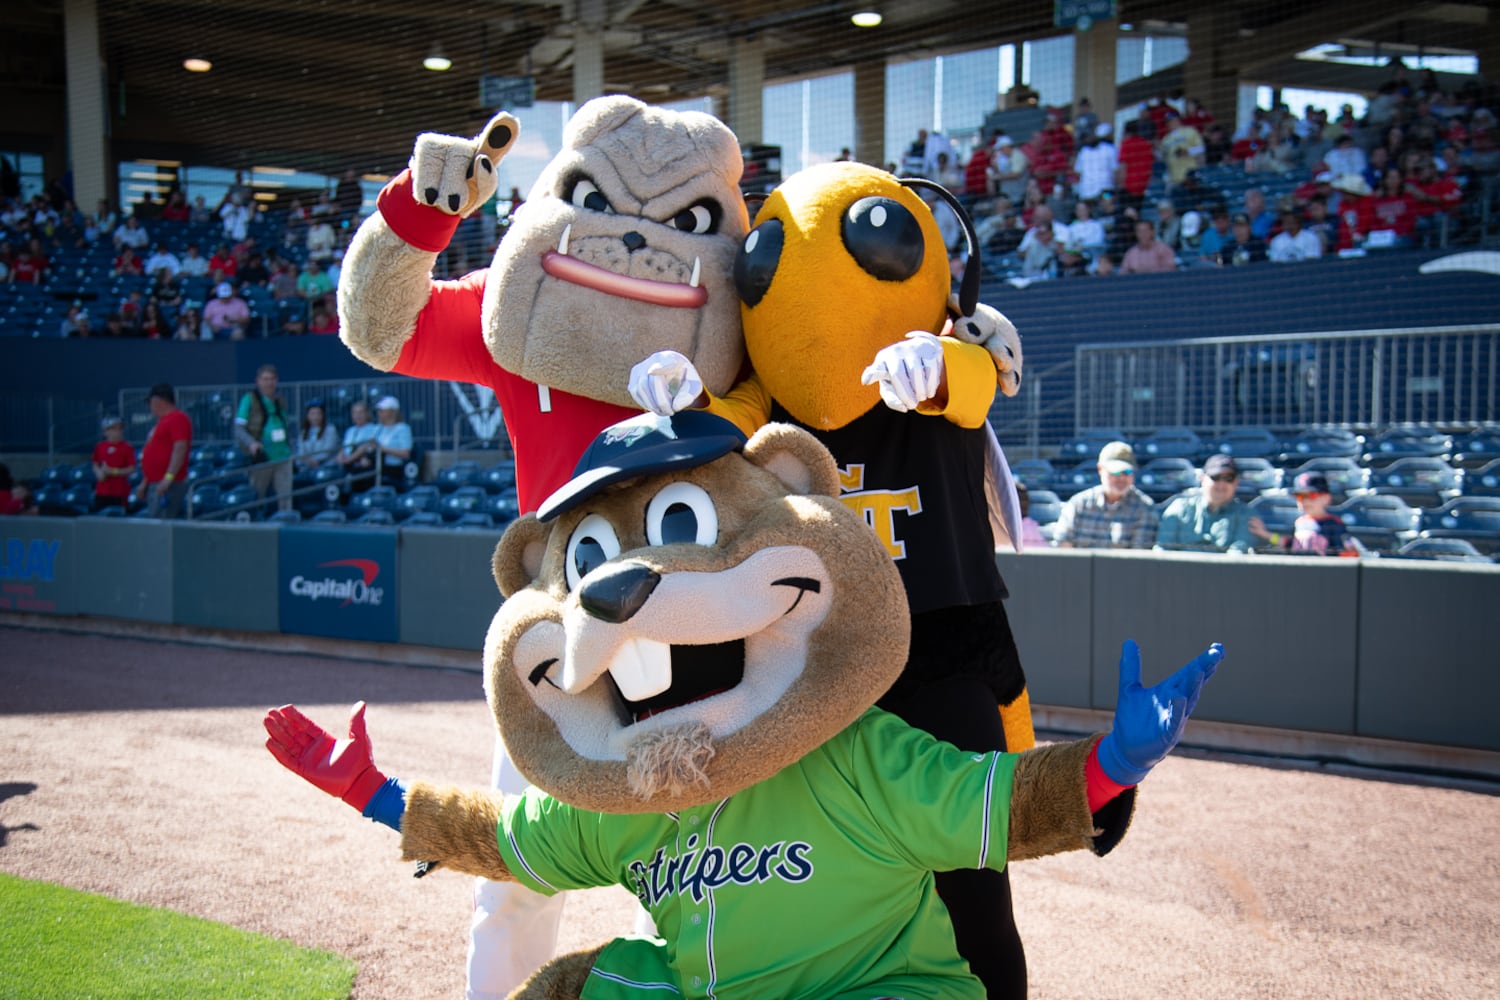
point(345, 768)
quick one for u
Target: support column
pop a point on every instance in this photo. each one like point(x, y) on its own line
point(747, 78)
point(1094, 62)
point(1487, 47)
point(1204, 76)
point(88, 124)
point(588, 51)
point(869, 113)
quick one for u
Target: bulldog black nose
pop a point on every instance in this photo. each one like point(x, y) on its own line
point(616, 594)
point(633, 241)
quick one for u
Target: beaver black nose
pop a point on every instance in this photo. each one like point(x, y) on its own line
point(633, 241)
point(615, 595)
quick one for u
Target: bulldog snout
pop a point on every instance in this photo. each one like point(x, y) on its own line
point(614, 595)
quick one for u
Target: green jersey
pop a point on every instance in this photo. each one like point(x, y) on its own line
point(815, 884)
point(273, 436)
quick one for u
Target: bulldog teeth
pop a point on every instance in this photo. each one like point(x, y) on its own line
point(642, 668)
point(697, 272)
point(562, 243)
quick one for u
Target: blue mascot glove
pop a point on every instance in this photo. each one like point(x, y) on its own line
point(1148, 721)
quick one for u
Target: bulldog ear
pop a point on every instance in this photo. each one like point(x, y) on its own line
point(796, 458)
point(518, 556)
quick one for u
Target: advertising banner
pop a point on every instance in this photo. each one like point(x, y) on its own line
point(339, 583)
point(36, 566)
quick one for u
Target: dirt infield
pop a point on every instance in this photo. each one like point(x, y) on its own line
point(136, 769)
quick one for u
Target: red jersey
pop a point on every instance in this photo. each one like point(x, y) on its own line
point(28, 268)
point(114, 455)
point(1136, 159)
point(1447, 194)
point(1398, 213)
point(156, 455)
point(975, 171)
point(225, 263)
point(548, 428)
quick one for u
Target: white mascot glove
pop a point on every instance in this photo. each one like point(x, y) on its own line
point(909, 372)
point(665, 383)
point(456, 175)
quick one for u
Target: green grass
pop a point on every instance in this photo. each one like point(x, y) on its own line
point(59, 943)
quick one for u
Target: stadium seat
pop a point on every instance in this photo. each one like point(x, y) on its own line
point(80, 498)
point(1474, 519)
point(475, 519)
point(200, 470)
point(1407, 442)
point(1278, 511)
point(1477, 449)
point(1044, 506)
point(1442, 550)
point(1344, 475)
point(462, 501)
point(1257, 475)
point(204, 500)
point(1322, 442)
point(240, 496)
point(1033, 473)
point(1382, 523)
point(419, 498)
point(285, 517)
point(457, 475)
point(1087, 445)
point(1425, 482)
point(330, 517)
point(1247, 442)
point(1170, 442)
point(1080, 477)
point(1162, 477)
point(375, 498)
point(502, 476)
point(377, 517)
point(424, 518)
point(1484, 481)
point(204, 453)
point(503, 508)
point(82, 474)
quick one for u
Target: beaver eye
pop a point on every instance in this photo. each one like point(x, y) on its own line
point(698, 219)
point(585, 194)
point(755, 265)
point(884, 238)
point(592, 544)
point(682, 512)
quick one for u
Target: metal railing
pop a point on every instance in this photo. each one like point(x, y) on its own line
point(1447, 377)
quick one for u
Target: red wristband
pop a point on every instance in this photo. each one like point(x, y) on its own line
point(423, 226)
point(1101, 788)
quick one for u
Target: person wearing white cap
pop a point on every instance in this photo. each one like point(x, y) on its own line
point(1009, 169)
point(226, 315)
point(114, 461)
point(1114, 514)
point(393, 439)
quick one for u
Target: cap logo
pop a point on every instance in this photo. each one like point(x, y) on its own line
point(628, 432)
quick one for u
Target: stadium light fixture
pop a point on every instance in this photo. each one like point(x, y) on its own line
point(196, 65)
point(436, 61)
point(867, 18)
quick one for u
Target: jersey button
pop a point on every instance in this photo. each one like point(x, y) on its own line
point(697, 980)
point(697, 918)
point(696, 820)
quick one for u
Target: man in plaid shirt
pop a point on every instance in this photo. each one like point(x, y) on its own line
point(1112, 515)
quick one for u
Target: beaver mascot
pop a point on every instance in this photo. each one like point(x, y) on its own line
point(694, 635)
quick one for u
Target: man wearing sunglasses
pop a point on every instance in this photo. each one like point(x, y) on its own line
point(1211, 520)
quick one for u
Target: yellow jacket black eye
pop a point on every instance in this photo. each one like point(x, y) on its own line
point(884, 238)
point(756, 263)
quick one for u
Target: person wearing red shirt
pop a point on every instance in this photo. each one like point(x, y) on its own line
point(1435, 200)
point(1136, 160)
point(976, 171)
point(1393, 209)
point(114, 461)
point(176, 209)
point(222, 264)
point(30, 264)
point(128, 263)
point(1196, 115)
point(1052, 153)
point(164, 457)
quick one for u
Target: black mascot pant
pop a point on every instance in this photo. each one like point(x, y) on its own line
point(963, 665)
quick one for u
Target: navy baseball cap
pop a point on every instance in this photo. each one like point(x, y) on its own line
point(1311, 482)
point(642, 446)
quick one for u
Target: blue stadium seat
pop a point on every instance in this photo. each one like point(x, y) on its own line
point(1484, 481)
point(1033, 473)
point(243, 495)
point(1322, 442)
point(377, 517)
point(1344, 475)
point(462, 501)
point(1247, 442)
point(80, 498)
point(419, 498)
point(1473, 519)
point(1044, 507)
point(1382, 523)
point(458, 475)
point(1087, 445)
point(1425, 482)
point(205, 499)
point(375, 498)
point(1170, 442)
point(1278, 511)
point(424, 518)
point(330, 517)
point(503, 507)
point(1162, 477)
point(475, 519)
point(1477, 449)
point(1080, 477)
point(200, 470)
point(1257, 475)
point(285, 517)
point(1442, 550)
point(498, 477)
point(82, 474)
point(204, 453)
point(1407, 442)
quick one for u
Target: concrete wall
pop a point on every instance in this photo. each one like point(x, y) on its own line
point(1389, 649)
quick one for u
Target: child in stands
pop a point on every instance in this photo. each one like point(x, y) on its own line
point(1315, 532)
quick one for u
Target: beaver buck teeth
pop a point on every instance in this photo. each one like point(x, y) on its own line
point(642, 668)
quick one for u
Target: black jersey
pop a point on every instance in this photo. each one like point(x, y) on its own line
point(919, 482)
